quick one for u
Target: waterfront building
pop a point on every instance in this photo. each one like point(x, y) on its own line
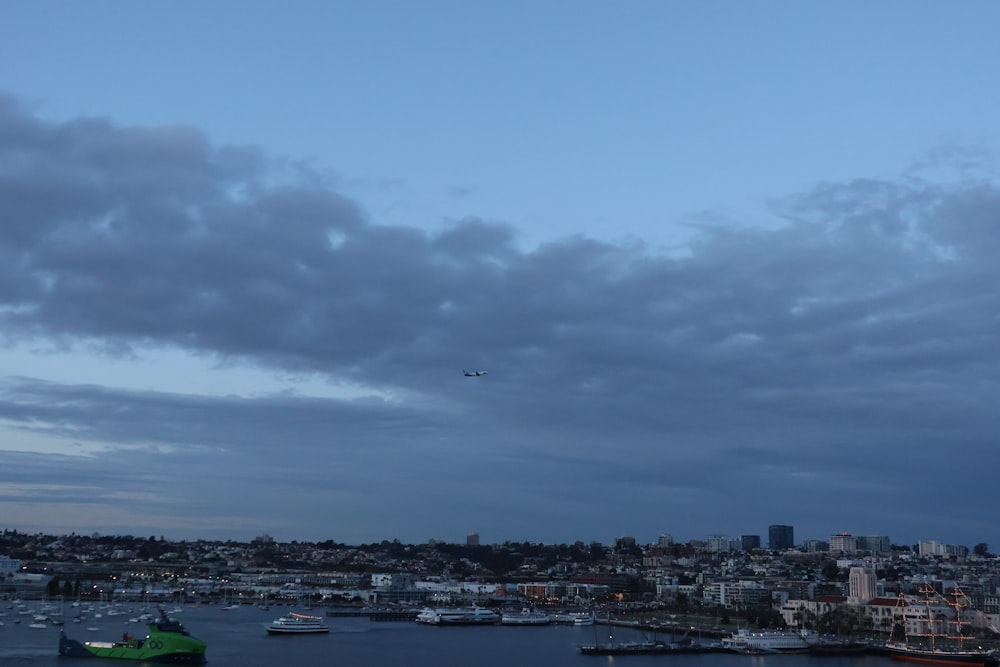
point(780, 537)
point(737, 594)
point(9, 565)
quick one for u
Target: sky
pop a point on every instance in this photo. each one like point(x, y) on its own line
point(727, 264)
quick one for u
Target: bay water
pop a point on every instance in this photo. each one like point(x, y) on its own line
point(238, 638)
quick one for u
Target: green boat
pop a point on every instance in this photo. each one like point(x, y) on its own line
point(167, 641)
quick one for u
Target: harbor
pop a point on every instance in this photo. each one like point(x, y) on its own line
point(238, 636)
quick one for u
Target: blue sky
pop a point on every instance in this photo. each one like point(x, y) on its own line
point(727, 264)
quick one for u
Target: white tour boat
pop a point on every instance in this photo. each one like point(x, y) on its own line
point(297, 624)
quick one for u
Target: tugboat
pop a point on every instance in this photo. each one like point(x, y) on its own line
point(167, 641)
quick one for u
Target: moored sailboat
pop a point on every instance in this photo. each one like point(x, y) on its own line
point(934, 633)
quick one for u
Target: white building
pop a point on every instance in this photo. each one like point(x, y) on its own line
point(8, 565)
point(861, 584)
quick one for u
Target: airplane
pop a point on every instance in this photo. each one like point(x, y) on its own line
point(474, 374)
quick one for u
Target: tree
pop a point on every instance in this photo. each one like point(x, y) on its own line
point(982, 549)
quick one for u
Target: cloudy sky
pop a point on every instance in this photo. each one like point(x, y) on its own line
point(728, 264)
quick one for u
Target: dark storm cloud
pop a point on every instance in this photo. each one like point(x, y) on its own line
point(849, 353)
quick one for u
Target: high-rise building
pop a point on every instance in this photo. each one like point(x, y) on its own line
point(780, 537)
point(843, 543)
point(861, 584)
point(719, 544)
point(879, 544)
point(749, 542)
point(472, 540)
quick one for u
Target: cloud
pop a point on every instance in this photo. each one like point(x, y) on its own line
point(830, 365)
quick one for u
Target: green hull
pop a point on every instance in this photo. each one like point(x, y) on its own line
point(167, 641)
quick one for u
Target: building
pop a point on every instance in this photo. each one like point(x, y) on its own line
point(749, 542)
point(815, 546)
point(862, 582)
point(843, 543)
point(9, 565)
point(737, 594)
point(472, 540)
point(780, 537)
point(877, 544)
point(935, 548)
point(719, 544)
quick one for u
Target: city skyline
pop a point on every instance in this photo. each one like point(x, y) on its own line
point(723, 264)
point(861, 543)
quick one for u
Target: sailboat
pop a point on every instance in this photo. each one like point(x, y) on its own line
point(939, 635)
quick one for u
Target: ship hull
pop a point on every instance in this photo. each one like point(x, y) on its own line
point(74, 649)
point(167, 642)
point(927, 657)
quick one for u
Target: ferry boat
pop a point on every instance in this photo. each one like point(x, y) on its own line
point(167, 641)
point(296, 624)
point(573, 618)
point(465, 616)
point(525, 617)
point(769, 641)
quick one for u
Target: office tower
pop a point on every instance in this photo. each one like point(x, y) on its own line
point(861, 583)
point(780, 537)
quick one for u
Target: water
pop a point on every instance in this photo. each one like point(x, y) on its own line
point(238, 638)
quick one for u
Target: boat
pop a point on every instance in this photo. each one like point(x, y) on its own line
point(648, 646)
point(525, 617)
point(626, 648)
point(769, 641)
point(166, 641)
point(297, 624)
point(573, 618)
point(933, 634)
point(462, 616)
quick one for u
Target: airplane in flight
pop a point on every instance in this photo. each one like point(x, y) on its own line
point(474, 374)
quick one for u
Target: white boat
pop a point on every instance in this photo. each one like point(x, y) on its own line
point(525, 617)
point(464, 616)
point(297, 624)
point(573, 618)
point(770, 641)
